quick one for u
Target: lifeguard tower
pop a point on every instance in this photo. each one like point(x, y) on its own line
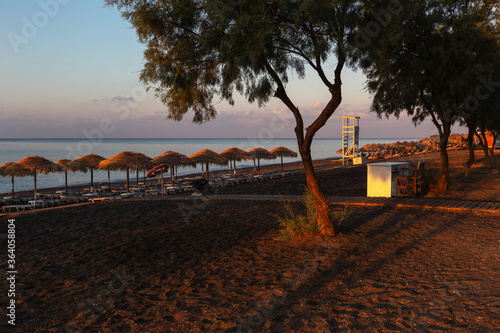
point(350, 140)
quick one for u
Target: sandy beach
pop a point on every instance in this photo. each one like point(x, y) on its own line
point(215, 266)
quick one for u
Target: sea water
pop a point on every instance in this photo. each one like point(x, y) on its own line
point(12, 150)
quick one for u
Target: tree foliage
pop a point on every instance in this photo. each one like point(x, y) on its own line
point(429, 61)
point(199, 50)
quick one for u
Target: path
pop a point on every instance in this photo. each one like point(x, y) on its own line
point(491, 206)
point(488, 206)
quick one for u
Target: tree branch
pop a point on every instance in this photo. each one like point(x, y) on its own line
point(282, 95)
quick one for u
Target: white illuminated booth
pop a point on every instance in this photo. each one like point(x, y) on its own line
point(382, 178)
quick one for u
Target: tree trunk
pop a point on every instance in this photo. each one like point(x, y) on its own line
point(470, 146)
point(321, 201)
point(444, 174)
point(485, 144)
point(492, 151)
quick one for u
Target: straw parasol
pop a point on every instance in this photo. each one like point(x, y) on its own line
point(86, 163)
point(63, 163)
point(260, 153)
point(235, 154)
point(3, 173)
point(207, 156)
point(173, 159)
point(125, 161)
point(283, 152)
point(33, 165)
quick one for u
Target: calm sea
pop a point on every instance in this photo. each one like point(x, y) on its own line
point(12, 150)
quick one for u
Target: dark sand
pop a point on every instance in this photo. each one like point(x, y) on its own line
point(215, 266)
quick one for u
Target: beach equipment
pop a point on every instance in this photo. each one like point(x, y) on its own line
point(235, 154)
point(260, 153)
point(207, 156)
point(283, 152)
point(63, 163)
point(86, 163)
point(157, 170)
point(125, 161)
point(3, 173)
point(33, 165)
point(172, 159)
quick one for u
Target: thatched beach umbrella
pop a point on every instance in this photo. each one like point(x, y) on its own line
point(235, 154)
point(86, 163)
point(207, 156)
point(34, 165)
point(173, 159)
point(283, 152)
point(260, 153)
point(3, 173)
point(125, 161)
point(63, 163)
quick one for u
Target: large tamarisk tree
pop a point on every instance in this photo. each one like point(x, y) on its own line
point(427, 61)
point(197, 50)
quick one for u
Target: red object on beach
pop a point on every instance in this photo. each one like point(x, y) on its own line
point(156, 170)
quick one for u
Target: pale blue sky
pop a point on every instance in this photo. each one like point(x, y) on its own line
point(69, 64)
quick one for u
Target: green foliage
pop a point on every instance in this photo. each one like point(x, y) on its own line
point(197, 50)
point(295, 225)
point(430, 60)
point(339, 217)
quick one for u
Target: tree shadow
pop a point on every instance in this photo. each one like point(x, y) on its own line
point(353, 265)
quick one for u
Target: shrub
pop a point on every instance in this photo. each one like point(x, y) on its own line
point(295, 225)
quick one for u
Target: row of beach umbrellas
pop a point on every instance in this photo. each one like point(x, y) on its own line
point(127, 160)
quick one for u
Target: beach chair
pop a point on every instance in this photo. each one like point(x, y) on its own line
point(107, 198)
point(17, 207)
point(409, 182)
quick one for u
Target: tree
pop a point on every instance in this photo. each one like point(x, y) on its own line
point(481, 55)
point(425, 63)
point(197, 50)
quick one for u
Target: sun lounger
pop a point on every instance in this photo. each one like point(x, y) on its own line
point(100, 199)
point(74, 198)
point(17, 207)
point(48, 195)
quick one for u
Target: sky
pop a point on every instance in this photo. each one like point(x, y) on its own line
point(70, 69)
